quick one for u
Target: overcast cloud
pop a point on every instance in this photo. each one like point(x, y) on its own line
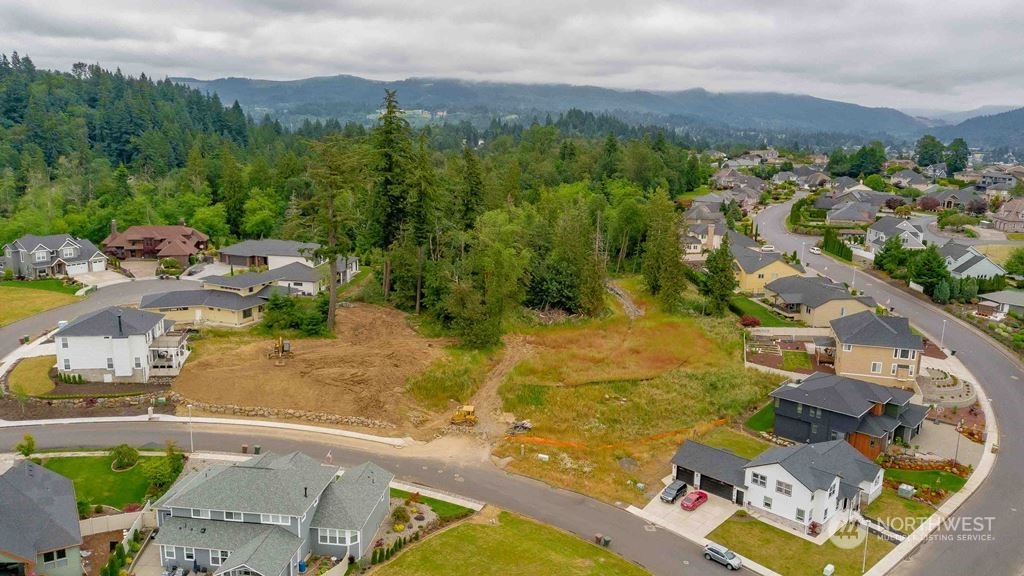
point(904, 54)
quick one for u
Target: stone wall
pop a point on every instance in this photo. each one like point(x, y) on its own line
point(279, 413)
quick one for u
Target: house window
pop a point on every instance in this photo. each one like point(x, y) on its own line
point(190, 553)
point(247, 313)
point(330, 536)
point(784, 488)
point(760, 276)
point(67, 253)
point(67, 364)
point(876, 367)
point(801, 514)
point(42, 256)
point(218, 557)
point(832, 491)
point(910, 369)
point(110, 363)
point(63, 342)
point(200, 513)
point(903, 353)
point(767, 503)
point(814, 429)
point(53, 557)
point(275, 519)
point(893, 370)
point(835, 435)
point(842, 312)
point(777, 402)
point(233, 516)
point(758, 479)
point(799, 408)
point(169, 552)
point(847, 347)
point(138, 362)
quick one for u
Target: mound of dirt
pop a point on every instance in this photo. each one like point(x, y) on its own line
point(362, 372)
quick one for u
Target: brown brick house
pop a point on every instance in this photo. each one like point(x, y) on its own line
point(177, 242)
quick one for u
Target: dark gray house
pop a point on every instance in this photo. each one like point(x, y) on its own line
point(263, 516)
point(824, 407)
point(39, 532)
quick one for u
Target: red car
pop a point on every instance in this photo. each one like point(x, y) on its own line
point(694, 499)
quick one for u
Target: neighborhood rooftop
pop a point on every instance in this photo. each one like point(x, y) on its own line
point(868, 329)
point(114, 321)
point(39, 511)
point(209, 298)
point(812, 292)
point(840, 394)
point(271, 247)
point(349, 500)
point(892, 226)
point(714, 462)
point(748, 254)
point(296, 271)
point(816, 465)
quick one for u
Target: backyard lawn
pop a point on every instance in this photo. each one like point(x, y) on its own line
point(513, 546)
point(30, 300)
point(889, 506)
point(738, 443)
point(49, 284)
point(96, 483)
point(445, 510)
point(1015, 236)
point(791, 555)
point(763, 420)
point(999, 253)
point(933, 478)
point(743, 306)
point(31, 376)
point(794, 360)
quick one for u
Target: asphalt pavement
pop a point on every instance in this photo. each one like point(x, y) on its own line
point(1001, 497)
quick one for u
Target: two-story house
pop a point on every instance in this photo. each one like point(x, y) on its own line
point(880, 349)
point(50, 256)
point(1010, 217)
point(908, 179)
point(823, 407)
point(177, 242)
point(966, 262)
point(755, 268)
point(814, 301)
point(263, 516)
point(120, 345)
point(39, 531)
point(911, 235)
point(936, 171)
point(990, 177)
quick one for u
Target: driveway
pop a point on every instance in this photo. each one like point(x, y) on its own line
point(942, 440)
point(102, 278)
point(693, 525)
point(211, 269)
point(141, 268)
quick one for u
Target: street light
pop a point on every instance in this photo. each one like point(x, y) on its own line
point(942, 338)
point(191, 440)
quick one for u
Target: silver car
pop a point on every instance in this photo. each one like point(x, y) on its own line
point(723, 556)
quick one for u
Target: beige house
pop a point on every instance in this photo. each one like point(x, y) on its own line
point(879, 349)
point(815, 301)
point(755, 268)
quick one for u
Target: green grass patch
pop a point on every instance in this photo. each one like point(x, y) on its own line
point(933, 478)
point(446, 511)
point(743, 306)
point(29, 301)
point(738, 443)
point(793, 360)
point(455, 377)
point(789, 554)
point(31, 376)
point(763, 420)
point(96, 483)
point(889, 505)
point(514, 546)
point(48, 284)
point(1015, 236)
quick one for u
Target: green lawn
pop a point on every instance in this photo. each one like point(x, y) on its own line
point(738, 443)
point(49, 284)
point(445, 510)
point(30, 301)
point(743, 306)
point(763, 420)
point(792, 360)
point(96, 483)
point(933, 478)
point(514, 546)
point(791, 555)
point(1015, 236)
point(889, 505)
point(32, 376)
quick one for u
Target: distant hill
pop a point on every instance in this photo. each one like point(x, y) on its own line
point(353, 98)
point(942, 117)
point(995, 131)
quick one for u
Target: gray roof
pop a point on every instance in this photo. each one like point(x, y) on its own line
point(1008, 297)
point(700, 211)
point(296, 272)
point(853, 211)
point(877, 426)
point(714, 462)
point(266, 484)
point(209, 298)
point(868, 329)
point(844, 182)
point(55, 241)
point(104, 322)
point(264, 548)
point(909, 175)
point(813, 292)
point(891, 226)
point(271, 247)
point(840, 394)
point(817, 465)
point(39, 511)
point(748, 255)
point(348, 501)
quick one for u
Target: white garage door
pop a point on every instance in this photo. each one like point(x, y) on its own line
point(99, 265)
point(78, 268)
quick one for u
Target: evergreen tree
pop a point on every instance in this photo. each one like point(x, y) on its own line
point(662, 260)
point(941, 292)
point(720, 279)
point(891, 256)
point(929, 269)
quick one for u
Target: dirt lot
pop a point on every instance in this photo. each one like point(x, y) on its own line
point(99, 547)
point(362, 372)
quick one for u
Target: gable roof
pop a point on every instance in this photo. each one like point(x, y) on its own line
point(134, 233)
point(105, 322)
point(817, 465)
point(209, 298)
point(749, 257)
point(86, 249)
point(714, 462)
point(295, 271)
point(264, 548)
point(813, 292)
point(40, 512)
point(840, 394)
point(1008, 297)
point(349, 500)
point(910, 176)
point(853, 211)
point(893, 226)
point(271, 247)
point(869, 329)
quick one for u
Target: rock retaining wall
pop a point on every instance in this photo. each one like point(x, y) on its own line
point(275, 413)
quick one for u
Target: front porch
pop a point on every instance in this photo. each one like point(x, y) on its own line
point(167, 353)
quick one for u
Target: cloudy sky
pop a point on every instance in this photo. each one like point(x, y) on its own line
point(941, 54)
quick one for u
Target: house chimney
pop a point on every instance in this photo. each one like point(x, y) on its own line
point(113, 226)
point(120, 325)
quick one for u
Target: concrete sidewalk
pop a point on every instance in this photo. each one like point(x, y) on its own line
point(37, 347)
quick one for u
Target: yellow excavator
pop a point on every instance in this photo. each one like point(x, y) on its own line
point(282, 349)
point(464, 416)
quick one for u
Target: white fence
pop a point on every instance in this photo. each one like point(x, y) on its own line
point(789, 332)
point(870, 256)
point(128, 522)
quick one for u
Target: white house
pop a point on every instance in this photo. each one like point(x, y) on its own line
point(269, 252)
point(911, 235)
point(966, 262)
point(120, 345)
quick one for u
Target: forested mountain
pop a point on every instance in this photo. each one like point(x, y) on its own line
point(353, 98)
point(1004, 130)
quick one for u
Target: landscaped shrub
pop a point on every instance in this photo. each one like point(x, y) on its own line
point(98, 509)
point(750, 321)
point(400, 515)
point(119, 552)
point(83, 509)
point(124, 457)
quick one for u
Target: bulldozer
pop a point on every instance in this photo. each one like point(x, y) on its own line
point(464, 416)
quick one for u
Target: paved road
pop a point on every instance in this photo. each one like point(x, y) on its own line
point(1001, 496)
point(659, 551)
point(126, 293)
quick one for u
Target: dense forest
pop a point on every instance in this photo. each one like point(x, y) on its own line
point(466, 226)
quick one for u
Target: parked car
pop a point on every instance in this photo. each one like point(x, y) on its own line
point(723, 556)
point(694, 499)
point(815, 250)
point(673, 491)
point(768, 248)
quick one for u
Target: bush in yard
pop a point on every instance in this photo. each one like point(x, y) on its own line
point(750, 321)
point(373, 556)
point(124, 457)
point(400, 515)
point(83, 509)
point(98, 509)
point(105, 571)
point(8, 274)
point(27, 445)
point(119, 552)
point(399, 527)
